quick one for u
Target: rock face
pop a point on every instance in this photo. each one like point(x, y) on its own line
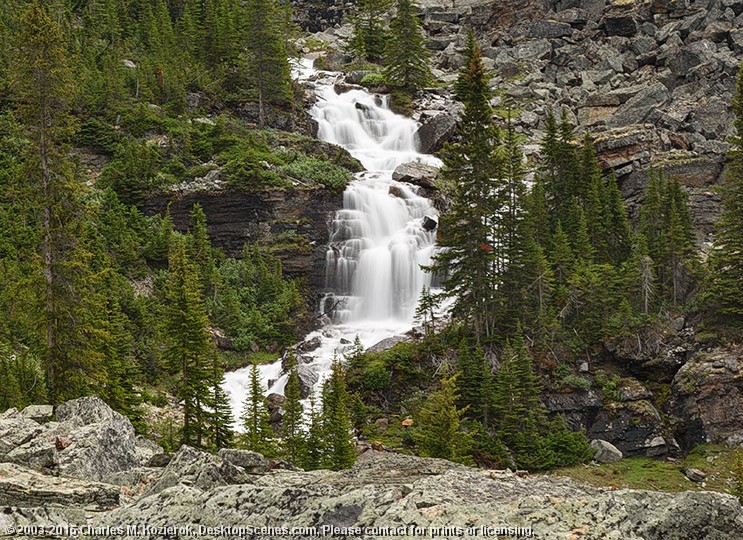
point(707, 398)
point(434, 132)
point(89, 441)
point(235, 217)
point(390, 490)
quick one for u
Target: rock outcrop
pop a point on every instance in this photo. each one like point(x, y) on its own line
point(391, 491)
point(235, 217)
point(78, 444)
point(707, 398)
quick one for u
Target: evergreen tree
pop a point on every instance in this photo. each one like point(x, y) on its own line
point(726, 263)
point(292, 431)
point(267, 60)
point(256, 421)
point(70, 314)
point(189, 350)
point(474, 382)
point(473, 168)
point(313, 450)
point(200, 251)
point(221, 435)
point(369, 33)
point(406, 57)
point(340, 451)
point(438, 434)
point(425, 312)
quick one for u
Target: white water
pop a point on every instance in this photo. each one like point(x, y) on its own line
point(377, 242)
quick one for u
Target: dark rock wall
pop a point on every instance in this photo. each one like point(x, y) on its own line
point(235, 217)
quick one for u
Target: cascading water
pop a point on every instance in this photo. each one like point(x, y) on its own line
point(377, 241)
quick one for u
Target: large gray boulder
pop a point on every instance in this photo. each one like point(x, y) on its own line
point(416, 173)
point(434, 132)
point(605, 451)
point(89, 441)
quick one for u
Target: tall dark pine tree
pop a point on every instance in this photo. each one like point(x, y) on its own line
point(727, 258)
point(189, 351)
point(407, 63)
point(340, 451)
point(292, 429)
point(369, 33)
point(471, 165)
point(41, 80)
point(256, 421)
point(267, 62)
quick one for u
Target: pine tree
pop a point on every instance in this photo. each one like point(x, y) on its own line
point(256, 421)
point(69, 319)
point(438, 434)
point(292, 431)
point(313, 450)
point(267, 60)
point(726, 263)
point(425, 312)
point(340, 451)
point(407, 63)
point(473, 168)
point(189, 350)
point(222, 435)
point(200, 251)
point(474, 382)
point(369, 33)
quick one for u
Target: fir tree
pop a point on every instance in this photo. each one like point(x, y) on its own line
point(267, 59)
point(369, 33)
point(222, 435)
point(726, 263)
point(292, 431)
point(69, 317)
point(340, 451)
point(256, 421)
point(438, 434)
point(313, 450)
point(474, 382)
point(189, 351)
point(473, 168)
point(406, 57)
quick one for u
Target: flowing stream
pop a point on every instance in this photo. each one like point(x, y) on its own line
point(377, 241)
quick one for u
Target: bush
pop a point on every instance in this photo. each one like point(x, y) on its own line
point(133, 172)
point(319, 171)
point(250, 165)
point(373, 79)
point(99, 135)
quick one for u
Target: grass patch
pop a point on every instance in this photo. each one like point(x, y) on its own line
point(662, 475)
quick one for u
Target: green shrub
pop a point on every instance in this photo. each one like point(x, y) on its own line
point(609, 384)
point(99, 135)
point(373, 79)
point(250, 164)
point(318, 171)
point(376, 375)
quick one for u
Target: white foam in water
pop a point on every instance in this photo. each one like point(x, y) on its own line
point(377, 242)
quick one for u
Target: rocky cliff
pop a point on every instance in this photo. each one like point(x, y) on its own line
point(99, 480)
point(651, 79)
point(293, 223)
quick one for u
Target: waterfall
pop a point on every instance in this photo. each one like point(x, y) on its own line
point(377, 240)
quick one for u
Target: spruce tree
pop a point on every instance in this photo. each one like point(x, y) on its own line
point(70, 315)
point(189, 349)
point(474, 382)
point(256, 421)
point(473, 168)
point(336, 421)
point(267, 60)
point(369, 33)
point(726, 262)
point(407, 62)
point(292, 429)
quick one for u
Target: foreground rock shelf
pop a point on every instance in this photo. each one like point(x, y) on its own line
point(194, 490)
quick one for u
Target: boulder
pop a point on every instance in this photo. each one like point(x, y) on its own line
point(38, 413)
point(198, 470)
point(637, 109)
point(633, 427)
point(417, 173)
point(545, 29)
point(250, 462)
point(16, 430)
point(620, 24)
point(308, 378)
point(23, 487)
point(707, 397)
point(434, 132)
point(386, 344)
point(695, 475)
point(429, 223)
point(89, 441)
point(605, 451)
